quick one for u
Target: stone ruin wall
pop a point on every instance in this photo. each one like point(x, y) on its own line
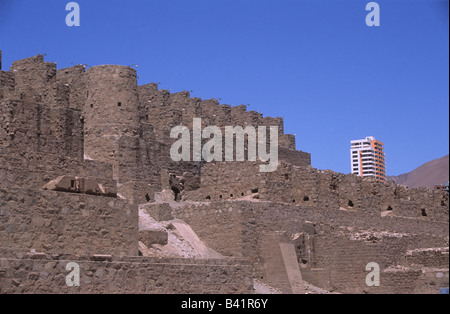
point(127, 275)
point(57, 112)
point(213, 219)
point(51, 128)
point(333, 246)
point(47, 127)
point(67, 223)
point(323, 189)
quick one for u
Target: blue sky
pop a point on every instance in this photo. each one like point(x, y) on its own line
point(314, 62)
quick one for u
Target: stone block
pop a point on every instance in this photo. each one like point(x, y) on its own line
point(159, 212)
point(156, 236)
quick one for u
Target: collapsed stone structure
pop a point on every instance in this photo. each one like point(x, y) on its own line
point(86, 177)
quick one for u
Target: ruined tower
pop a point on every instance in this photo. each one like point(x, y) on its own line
point(111, 111)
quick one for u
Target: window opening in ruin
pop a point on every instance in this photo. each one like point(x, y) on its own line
point(119, 104)
point(286, 176)
point(92, 106)
point(306, 199)
point(390, 208)
point(208, 197)
point(72, 183)
point(242, 194)
point(176, 191)
point(424, 212)
point(221, 196)
point(231, 195)
point(293, 201)
point(255, 191)
point(350, 204)
point(147, 197)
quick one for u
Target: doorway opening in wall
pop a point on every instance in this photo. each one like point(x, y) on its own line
point(177, 192)
point(351, 204)
point(424, 212)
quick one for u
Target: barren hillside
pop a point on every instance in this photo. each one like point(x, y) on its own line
point(430, 174)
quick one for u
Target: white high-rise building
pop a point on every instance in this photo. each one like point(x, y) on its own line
point(368, 158)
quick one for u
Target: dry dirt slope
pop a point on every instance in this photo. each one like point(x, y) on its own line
point(430, 174)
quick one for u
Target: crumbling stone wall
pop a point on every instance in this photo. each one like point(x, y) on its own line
point(35, 79)
point(30, 126)
point(322, 189)
point(334, 246)
point(97, 128)
point(73, 81)
point(225, 180)
point(32, 170)
point(210, 219)
point(429, 257)
point(66, 223)
point(165, 110)
point(76, 112)
point(6, 84)
point(47, 274)
point(35, 112)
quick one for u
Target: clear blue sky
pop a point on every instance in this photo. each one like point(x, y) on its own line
point(314, 62)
